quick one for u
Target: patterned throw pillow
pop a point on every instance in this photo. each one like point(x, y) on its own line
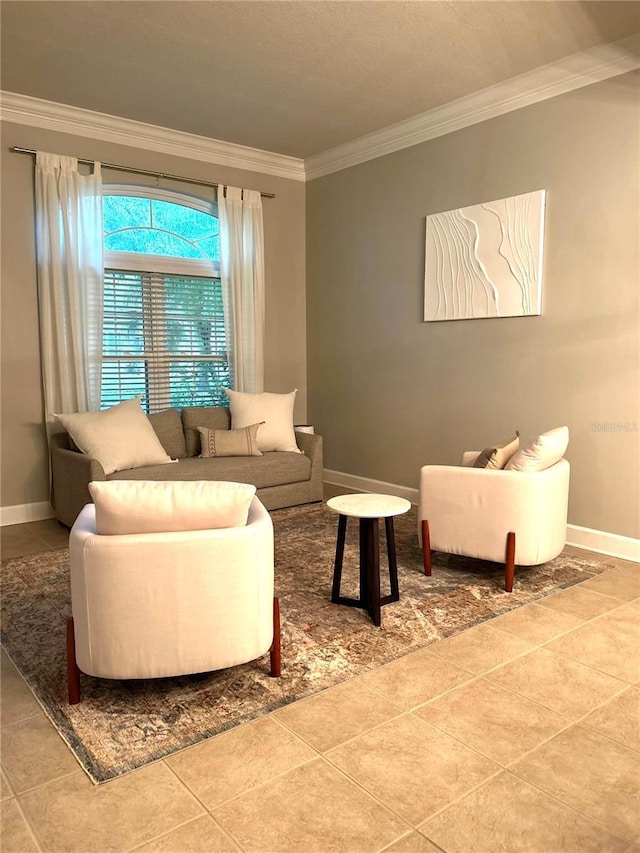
point(498, 455)
point(229, 442)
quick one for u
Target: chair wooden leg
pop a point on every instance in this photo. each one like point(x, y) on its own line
point(510, 563)
point(274, 651)
point(426, 548)
point(73, 672)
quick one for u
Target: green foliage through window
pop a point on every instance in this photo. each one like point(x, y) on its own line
point(164, 333)
point(154, 227)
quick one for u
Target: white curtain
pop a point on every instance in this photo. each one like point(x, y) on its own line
point(242, 275)
point(70, 283)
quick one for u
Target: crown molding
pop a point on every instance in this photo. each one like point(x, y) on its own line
point(35, 112)
point(557, 78)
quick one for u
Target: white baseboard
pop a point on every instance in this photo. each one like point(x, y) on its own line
point(599, 541)
point(602, 542)
point(22, 513)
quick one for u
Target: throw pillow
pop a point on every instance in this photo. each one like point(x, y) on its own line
point(542, 453)
point(118, 438)
point(275, 410)
point(148, 506)
point(229, 442)
point(498, 455)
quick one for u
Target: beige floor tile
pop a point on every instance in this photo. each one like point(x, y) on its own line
point(197, 836)
point(416, 678)
point(6, 665)
point(630, 610)
point(623, 584)
point(619, 563)
point(591, 774)
point(573, 550)
point(21, 547)
point(579, 602)
point(335, 715)
point(56, 538)
point(413, 843)
point(508, 816)
point(618, 719)
point(610, 643)
point(499, 724)
point(563, 685)
point(234, 762)
point(17, 702)
point(115, 816)
point(481, 648)
point(42, 527)
point(15, 835)
point(313, 809)
point(536, 624)
point(5, 788)
point(34, 753)
point(411, 766)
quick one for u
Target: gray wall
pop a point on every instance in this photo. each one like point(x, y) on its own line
point(391, 393)
point(23, 457)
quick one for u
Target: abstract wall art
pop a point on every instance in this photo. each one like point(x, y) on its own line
point(485, 260)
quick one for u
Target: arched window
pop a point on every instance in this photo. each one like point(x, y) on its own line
point(164, 328)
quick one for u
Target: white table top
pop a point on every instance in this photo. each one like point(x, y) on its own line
point(369, 505)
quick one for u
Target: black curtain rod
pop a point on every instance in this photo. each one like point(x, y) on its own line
point(133, 171)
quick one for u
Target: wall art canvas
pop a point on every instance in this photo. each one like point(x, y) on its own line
point(485, 260)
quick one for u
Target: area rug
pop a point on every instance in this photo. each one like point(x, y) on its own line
point(123, 725)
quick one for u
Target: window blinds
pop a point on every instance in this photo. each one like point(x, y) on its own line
point(164, 338)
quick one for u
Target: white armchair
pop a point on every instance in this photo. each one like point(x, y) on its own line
point(513, 517)
point(151, 605)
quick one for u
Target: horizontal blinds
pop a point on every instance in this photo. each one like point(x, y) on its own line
point(164, 338)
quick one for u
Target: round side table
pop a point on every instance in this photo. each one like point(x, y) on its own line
point(368, 508)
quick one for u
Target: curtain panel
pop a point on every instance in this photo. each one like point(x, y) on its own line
point(242, 276)
point(70, 288)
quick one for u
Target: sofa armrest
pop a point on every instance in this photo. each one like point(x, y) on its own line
point(311, 445)
point(71, 473)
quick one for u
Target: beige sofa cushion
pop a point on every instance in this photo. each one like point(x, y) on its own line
point(141, 506)
point(211, 417)
point(270, 469)
point(168, 427)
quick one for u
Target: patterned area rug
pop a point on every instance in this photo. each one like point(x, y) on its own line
point(122, 725)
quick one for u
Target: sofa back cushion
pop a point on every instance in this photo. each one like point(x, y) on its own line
point(146, 506)
point(211, 417)
point(167, 426)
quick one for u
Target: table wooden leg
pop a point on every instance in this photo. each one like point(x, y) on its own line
point(365, 578)
point(337, 567)
point(370, 567)
point(391, 556)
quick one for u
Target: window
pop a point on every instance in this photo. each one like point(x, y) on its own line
point(164, 330)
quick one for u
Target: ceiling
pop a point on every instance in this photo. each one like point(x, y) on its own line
point(296, 77)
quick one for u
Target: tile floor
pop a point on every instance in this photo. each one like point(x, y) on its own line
point(521, 734)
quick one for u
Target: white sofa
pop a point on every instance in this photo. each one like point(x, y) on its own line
point(515, 517)
point(151, 605)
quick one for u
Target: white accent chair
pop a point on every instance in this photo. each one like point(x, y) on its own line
point(515, 517)
point(152, 605)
